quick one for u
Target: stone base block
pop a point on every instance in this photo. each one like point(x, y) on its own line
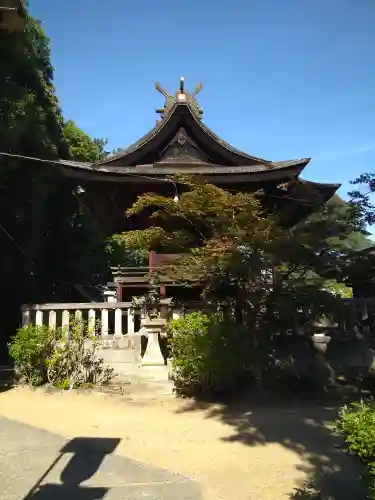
point(157, 379)
point(123, 354)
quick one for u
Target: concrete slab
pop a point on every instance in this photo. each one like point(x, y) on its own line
point(38, 465)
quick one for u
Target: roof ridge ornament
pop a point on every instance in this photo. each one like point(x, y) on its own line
point(180, 96)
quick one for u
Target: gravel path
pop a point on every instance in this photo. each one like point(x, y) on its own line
point(240, 452)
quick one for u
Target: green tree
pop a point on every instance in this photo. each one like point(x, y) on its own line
point(30, 125)
point(81, 146)
point(353, 236)
point(362, 198)
point(268, 276)
point(48, 242)
point(119, 255)
point(30, 117)
point(348, 237)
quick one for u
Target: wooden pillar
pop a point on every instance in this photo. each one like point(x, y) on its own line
point(164, 310)
point(151, 259)
point(119, 292)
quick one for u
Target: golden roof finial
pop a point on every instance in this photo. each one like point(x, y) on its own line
point(181, 96)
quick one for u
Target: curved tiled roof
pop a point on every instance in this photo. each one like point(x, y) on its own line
point(136, 145)
point(286, 169)
point(180, 115)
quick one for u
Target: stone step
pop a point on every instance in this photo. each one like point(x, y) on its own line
point(140, 388)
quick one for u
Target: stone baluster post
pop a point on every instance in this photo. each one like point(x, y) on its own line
point(91, 321)
point(39, 318)
point(52, 320)
point(25, 316)
point(130, 319)
point(65, 323)
point(118, 323)
point(104, 322)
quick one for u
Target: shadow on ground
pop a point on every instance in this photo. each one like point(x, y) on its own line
point(6, 378)
point(304, 428)
point(6, 386)
point(38, 465)
point(88, 455)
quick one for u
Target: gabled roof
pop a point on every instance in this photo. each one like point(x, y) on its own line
point(180, 143)
point(181, 125)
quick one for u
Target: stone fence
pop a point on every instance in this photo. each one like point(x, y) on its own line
point(60, 314)
point(120, 329)
point(118, 326)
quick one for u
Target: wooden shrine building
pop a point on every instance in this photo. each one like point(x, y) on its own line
point(181, 143)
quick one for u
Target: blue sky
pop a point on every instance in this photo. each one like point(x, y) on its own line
point(282, 79)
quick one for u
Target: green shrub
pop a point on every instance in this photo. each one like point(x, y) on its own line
point(43, 355)
point(356, 424)
point(208, 355)
point(30, 348)
point(74, 363)
point(294, 372)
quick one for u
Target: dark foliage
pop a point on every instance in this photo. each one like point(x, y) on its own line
point(48, 241)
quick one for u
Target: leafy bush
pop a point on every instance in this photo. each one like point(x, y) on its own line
point(209, 355)
point(356, 424)
point(74, 363)
point(296, 370)
point(43, 355)
point(30, 348)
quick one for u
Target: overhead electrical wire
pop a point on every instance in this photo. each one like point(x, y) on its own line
point(158, 179)
point(140, 176)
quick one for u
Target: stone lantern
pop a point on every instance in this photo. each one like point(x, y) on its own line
point(12, 15)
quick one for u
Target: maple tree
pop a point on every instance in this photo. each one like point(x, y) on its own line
point(268, 277)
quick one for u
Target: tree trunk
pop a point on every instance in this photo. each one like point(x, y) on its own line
point(250, 317)
point(257, 368)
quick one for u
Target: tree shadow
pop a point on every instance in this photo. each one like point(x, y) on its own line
point(6, 386)
point(88, 454)
point(302, 427)
point(7, 379)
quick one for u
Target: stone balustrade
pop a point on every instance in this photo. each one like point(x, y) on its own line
point(118, 326)
point(60, 314)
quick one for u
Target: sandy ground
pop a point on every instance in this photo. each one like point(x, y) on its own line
point(235, 453)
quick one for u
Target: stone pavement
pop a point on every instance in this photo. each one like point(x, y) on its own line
point(38, 465)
